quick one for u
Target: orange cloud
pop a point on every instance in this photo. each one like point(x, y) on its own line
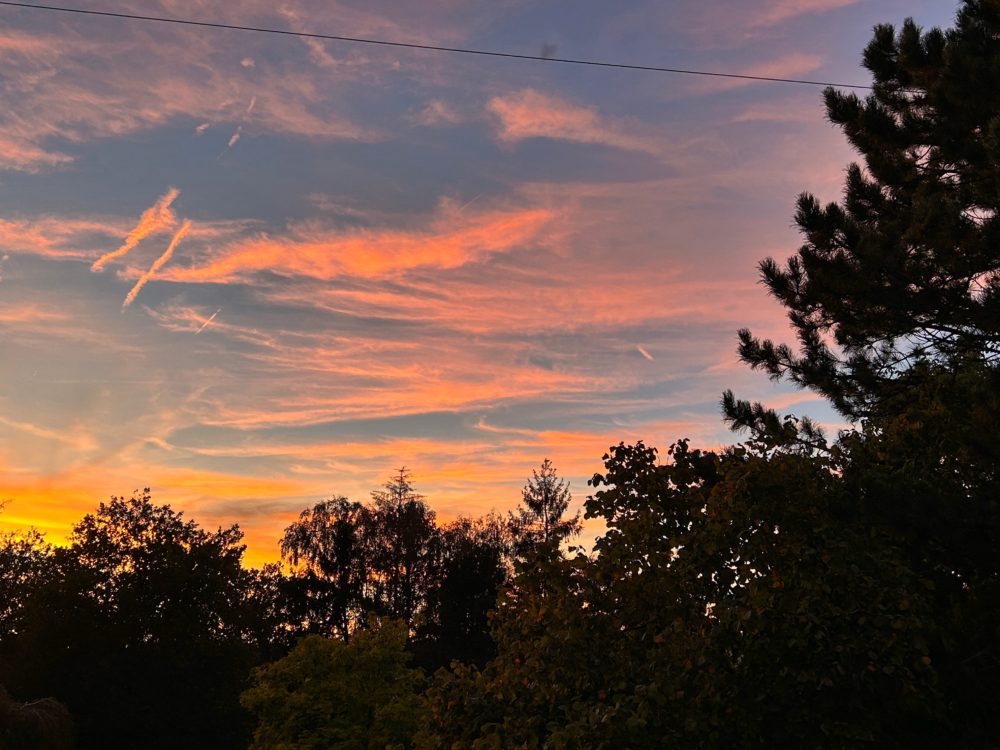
point(451, 240)
point(199, 484)
point(532, 114)
point(53, 504)
point(75, 439)
point(29, 314)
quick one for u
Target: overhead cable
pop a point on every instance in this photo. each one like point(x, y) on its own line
point(428, 47)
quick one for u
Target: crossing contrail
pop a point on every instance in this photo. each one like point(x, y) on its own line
point(154, 219)
point(158, 263)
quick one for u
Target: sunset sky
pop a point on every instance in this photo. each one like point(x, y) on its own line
point(253, 271)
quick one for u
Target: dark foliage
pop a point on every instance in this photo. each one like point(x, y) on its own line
point(904, 273)
point(730, 604)
point(351, 560)
point(538, 524)
point(144, 623)
point(42, 724)
point(329, 694)
point(473, 568)
point(388, 559)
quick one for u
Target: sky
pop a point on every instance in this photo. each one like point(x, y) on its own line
point(252, 272)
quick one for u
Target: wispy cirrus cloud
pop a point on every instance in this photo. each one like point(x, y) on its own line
point(580, 297)
point(778, 11)
point(75, 438)
point(29, 314)
point(532, 114)
point(437, 113)
point(451, 239)
point(790, 65)
point(50, 71)
point(25, 156)
point(787, 66)
point(780, 111)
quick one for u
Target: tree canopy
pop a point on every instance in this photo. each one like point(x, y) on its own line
point(328, 694)
point(143, 618)
point(903, 274)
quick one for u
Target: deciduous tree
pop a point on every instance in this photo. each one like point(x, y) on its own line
point(142, 626)
point(331, 695)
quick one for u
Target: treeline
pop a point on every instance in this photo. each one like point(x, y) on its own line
point(788, 591)
point(147, 627)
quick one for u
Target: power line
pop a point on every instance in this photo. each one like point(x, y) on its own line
point(429, 47)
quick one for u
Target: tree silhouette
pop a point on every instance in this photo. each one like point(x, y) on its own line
point(143, 618)
point(406, 555)
point(903, 275)
point(895, 300)
point(538, 522)
point(473, 568)
point(350, 560)
point(728, 605)
point(790, 592)
point(330, 547)
point(24, 559)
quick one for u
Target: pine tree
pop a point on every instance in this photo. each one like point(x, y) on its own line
point(895, 301)
point(539, 521)
point(900, 280)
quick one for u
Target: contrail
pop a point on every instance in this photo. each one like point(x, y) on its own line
point(158, 263)
point(154, 219)
point(205, 324)
point(235, 137)
point(468, 203)
point(645, 354)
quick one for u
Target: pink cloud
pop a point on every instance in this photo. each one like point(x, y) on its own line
point(25, 156)
point(51, 74)
point(778, 11)
point(794, 64)
point(29, 314)
point(450, 240)
point(436, 114)
point(783, 110)
point(532, 114)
